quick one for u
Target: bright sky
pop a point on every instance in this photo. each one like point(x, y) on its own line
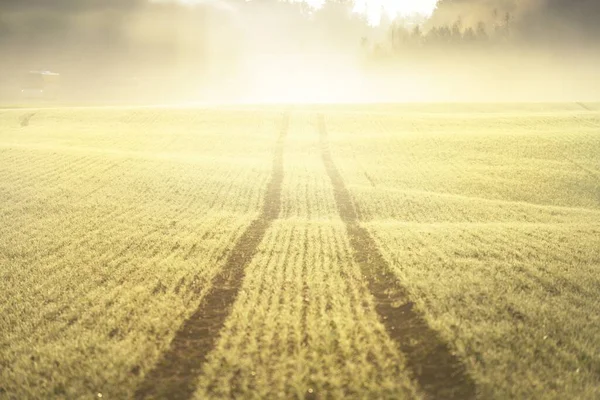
point(372, 8)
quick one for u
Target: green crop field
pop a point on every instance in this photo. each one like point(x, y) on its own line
point(318, 252)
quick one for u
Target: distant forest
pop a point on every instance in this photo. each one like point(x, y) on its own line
point(137, 35)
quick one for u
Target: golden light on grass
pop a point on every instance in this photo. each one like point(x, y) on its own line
point(117, 220)
point(269, 199)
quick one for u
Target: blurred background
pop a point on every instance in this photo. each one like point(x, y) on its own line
point(269, 51)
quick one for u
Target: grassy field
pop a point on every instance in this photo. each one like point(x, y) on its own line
point(378, 251)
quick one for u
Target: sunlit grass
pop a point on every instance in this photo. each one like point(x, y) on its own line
point(114, 220)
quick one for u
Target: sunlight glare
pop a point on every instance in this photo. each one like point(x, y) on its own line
point(373, 9)
point(394, 8)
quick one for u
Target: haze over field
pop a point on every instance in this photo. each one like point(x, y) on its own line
point(303, 199)
point(173, 51)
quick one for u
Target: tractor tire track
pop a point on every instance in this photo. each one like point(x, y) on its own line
point(26, 118)
point(584, 106)
point(176, 372)
point(439, 373)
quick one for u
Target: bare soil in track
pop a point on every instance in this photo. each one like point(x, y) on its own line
point(176, 373)
point(439, 373)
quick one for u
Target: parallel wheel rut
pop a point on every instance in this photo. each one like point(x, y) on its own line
point(176, 373)
point(439, 373)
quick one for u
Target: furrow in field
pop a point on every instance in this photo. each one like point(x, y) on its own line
point(519, 303)
point(176, 155)
point(47, 168)
point(584, 106)
point(79, 329)
point(150, 133)
point(577, 146)
point(491, 157)
point(548, 245)
point(418, 206)
point(306, 192)
point(67, 279)
point(39, 200)
point(439, 372)
point(101, 258)
point(304, 325)
point(498, 242)
point(167, 190)
point(175, 373)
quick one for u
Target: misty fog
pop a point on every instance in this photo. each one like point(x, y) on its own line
point(136, 51)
